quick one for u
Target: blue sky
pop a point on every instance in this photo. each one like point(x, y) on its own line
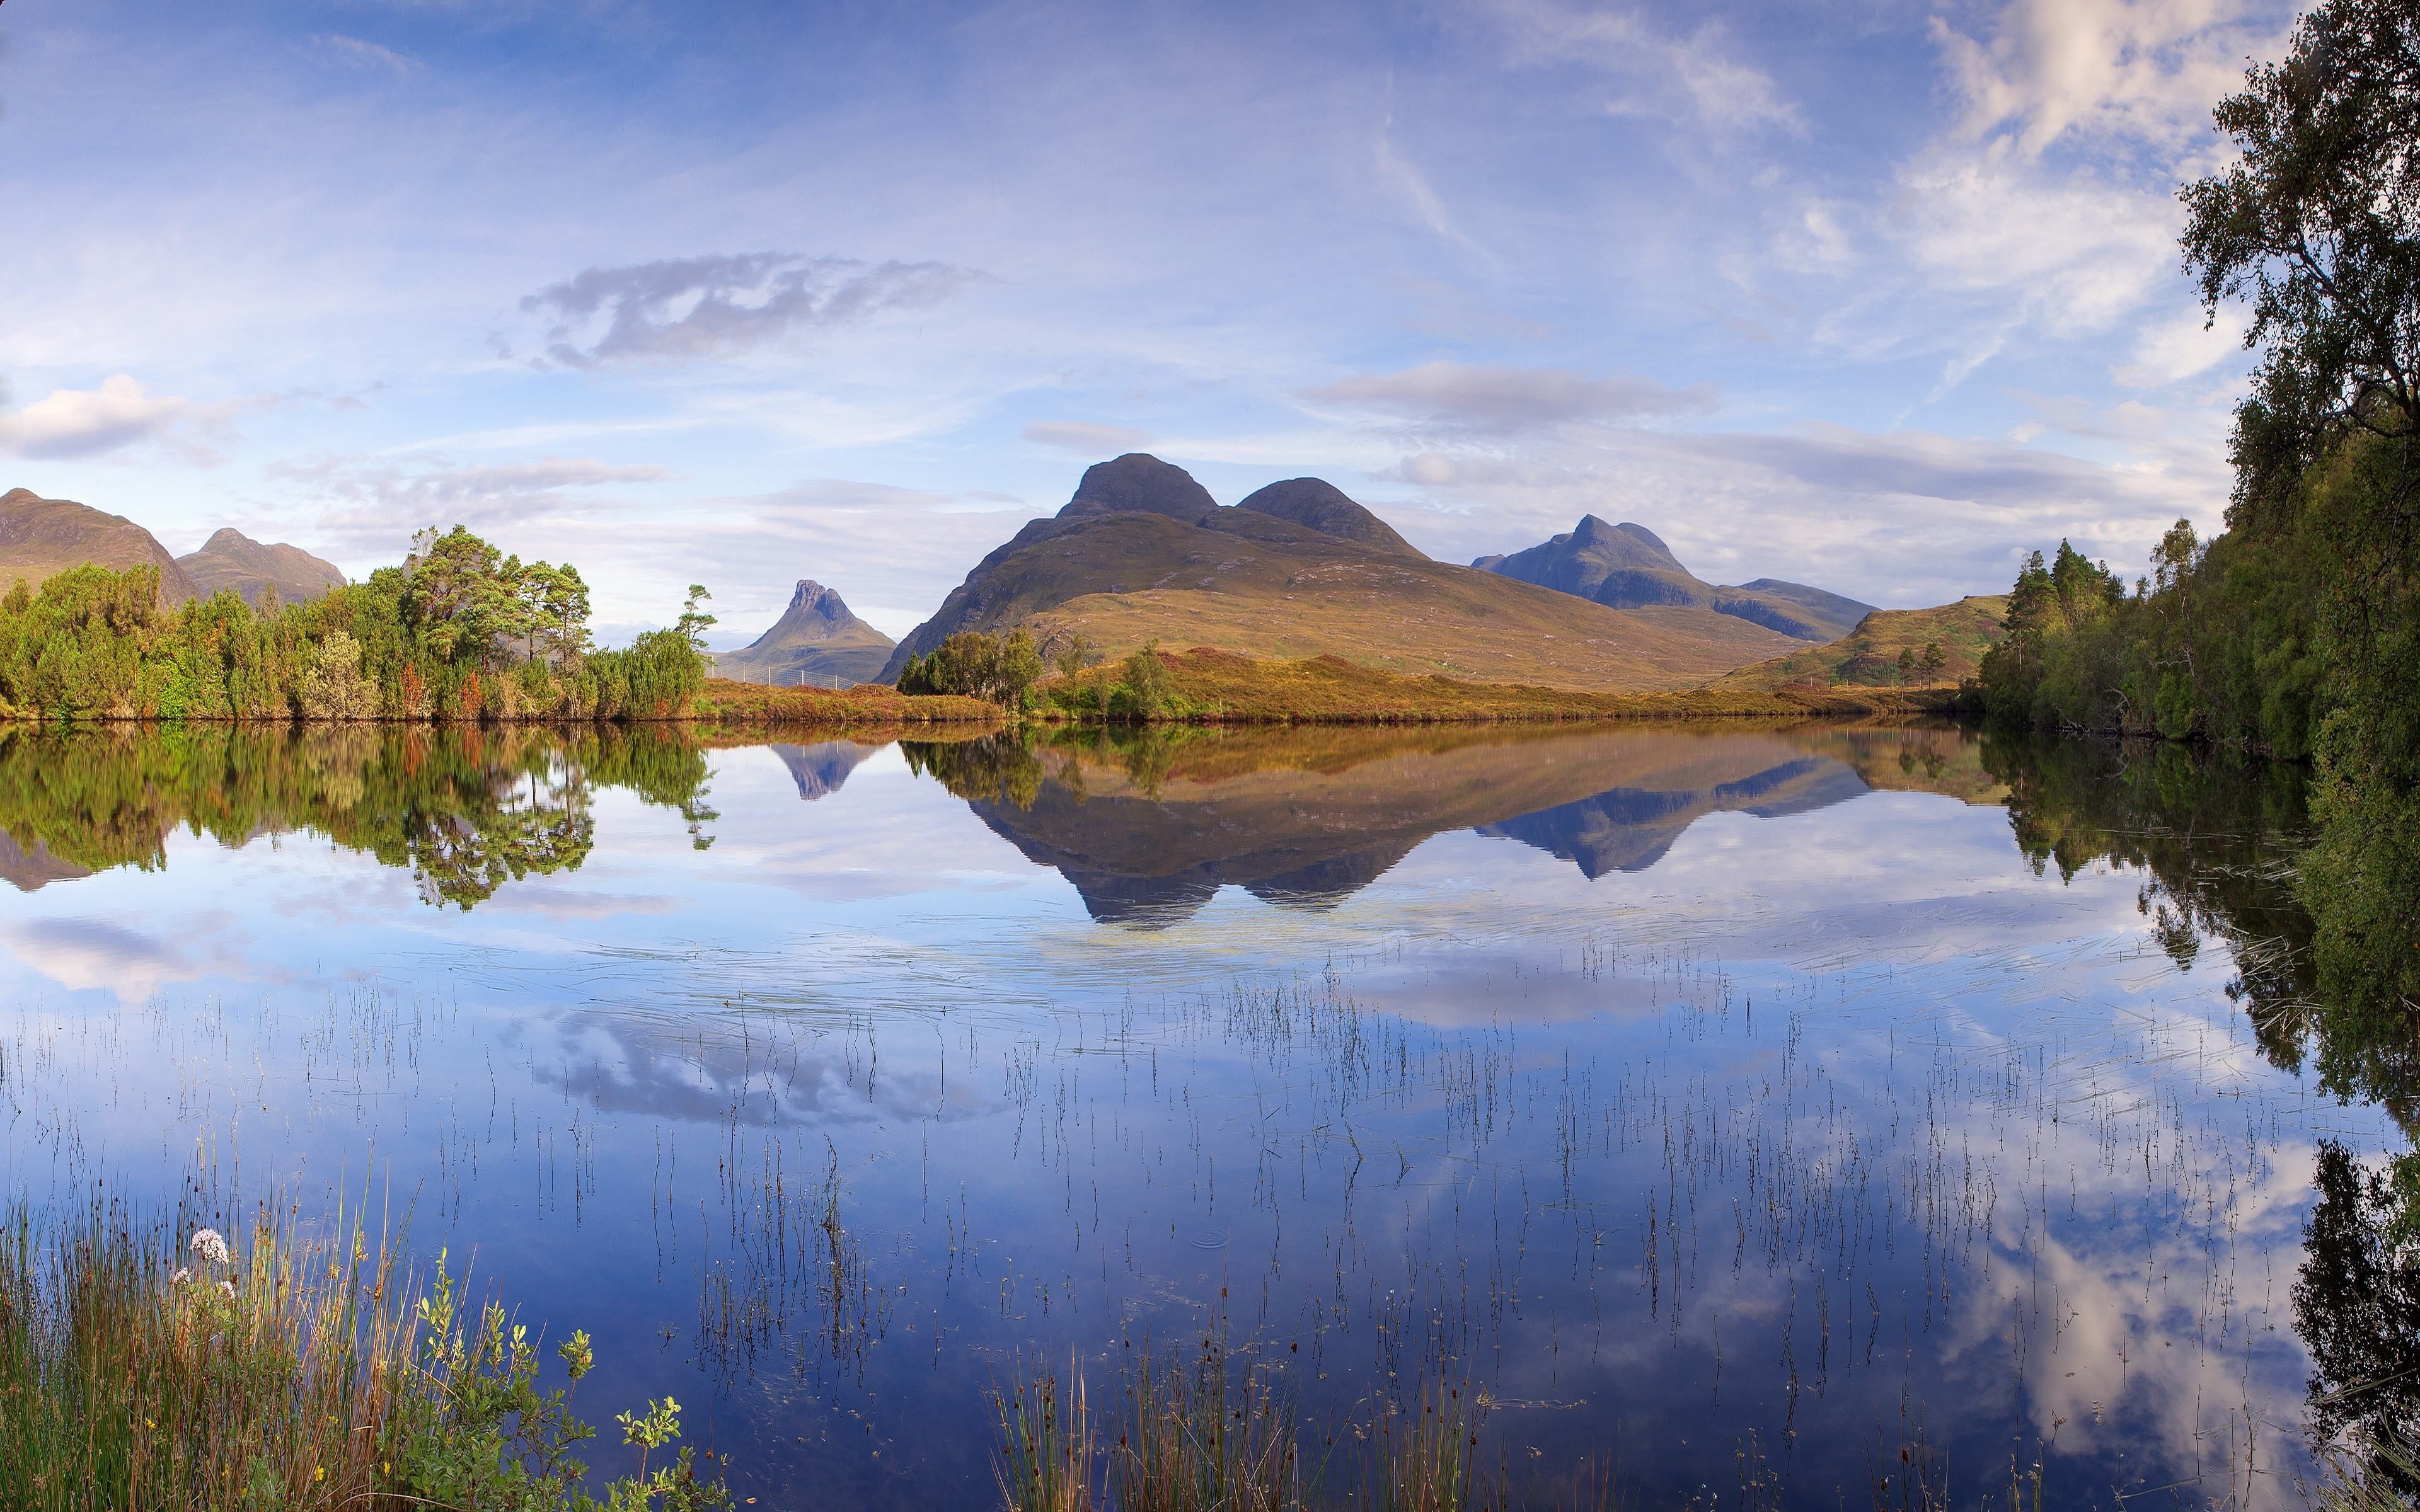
point(1871, 295)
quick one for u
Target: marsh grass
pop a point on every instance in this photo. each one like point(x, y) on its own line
point(259, 1381)
point(305, 1368)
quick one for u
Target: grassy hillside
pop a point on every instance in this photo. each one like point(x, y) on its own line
point(230, 559)
point(1412, 617)
point(1218, 686)
point(1867, 657)
point(42, 537)
point(1153, 559)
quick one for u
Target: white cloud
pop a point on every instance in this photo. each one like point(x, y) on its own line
point(86, 421)
point(1085, 439)
point(719, 305)
point(1504, 399)
point(2137, 70)
point(2179, 346)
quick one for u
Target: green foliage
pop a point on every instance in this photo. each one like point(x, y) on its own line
point(460, 632)
point(974, 665)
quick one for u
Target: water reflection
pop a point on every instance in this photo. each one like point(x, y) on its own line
point(1752, 1104)
point(465, 811)
point(1148, 826)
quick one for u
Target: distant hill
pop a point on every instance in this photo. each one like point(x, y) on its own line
point(1142, 552)
point(230, 559)
point(816, 641)
point(41, 536)
point(1867, 657)
point(1629, 567)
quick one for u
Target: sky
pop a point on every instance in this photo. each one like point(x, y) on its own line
point(1871, 295)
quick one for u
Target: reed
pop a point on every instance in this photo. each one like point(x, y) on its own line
point(308, 1369)
point(1047, 1445)
point(138, 1372)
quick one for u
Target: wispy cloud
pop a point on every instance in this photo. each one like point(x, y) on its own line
point(374, 504)
point(368, 56)
point(1085, 439)
point(1704, 73)
point(1505, 399)
point(689, 308)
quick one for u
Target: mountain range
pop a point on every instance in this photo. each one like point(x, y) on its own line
point(1142, 553)
point(41, 536)
point(816, 641)
point(1629, 567)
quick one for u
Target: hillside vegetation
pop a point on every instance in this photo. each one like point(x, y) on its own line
point(1212, 684)
point(1142, 553)
point(1897, 648)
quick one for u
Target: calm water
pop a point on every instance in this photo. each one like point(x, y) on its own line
point(1745, 1106)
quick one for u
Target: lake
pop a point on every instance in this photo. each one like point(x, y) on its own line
point(1765, 1114)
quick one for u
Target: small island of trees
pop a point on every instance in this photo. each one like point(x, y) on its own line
point(460, 632)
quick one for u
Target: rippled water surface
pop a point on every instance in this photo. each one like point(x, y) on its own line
point(1744, 1107)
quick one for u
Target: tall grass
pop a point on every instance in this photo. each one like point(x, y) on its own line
point(144, 1366)
point(138, 1372)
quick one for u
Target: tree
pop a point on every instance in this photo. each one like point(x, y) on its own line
point(692, 624)
point(1906, 663)
point(334, 687)
point(1934, 657)
point(456, 596)
point(1019, 668)
point(2317, 226)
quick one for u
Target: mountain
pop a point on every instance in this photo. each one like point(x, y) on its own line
point(1867, 657)
point(41, 536)
point(1629, 567)
point(230, 559)
point(1142, 552)
point(816, 640)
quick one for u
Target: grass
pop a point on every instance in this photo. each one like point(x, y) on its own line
point(144, 1366)
point(1215, 687)
point(728, 702)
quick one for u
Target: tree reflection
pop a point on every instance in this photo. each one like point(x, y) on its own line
point(466, 811)
point(2217, 843)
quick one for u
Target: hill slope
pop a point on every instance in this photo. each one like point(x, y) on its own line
point(1629, 567)
point(1867, 657)
point(230, 559)
point(817, 641)
point(41, 536)
point(1142, 553)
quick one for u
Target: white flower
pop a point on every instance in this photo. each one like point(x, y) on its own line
point(211, 1245)
point(226, 1288)
point(181, 1276)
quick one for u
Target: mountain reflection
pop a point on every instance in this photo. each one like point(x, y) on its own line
point(1149, 826)
point(466, 811)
